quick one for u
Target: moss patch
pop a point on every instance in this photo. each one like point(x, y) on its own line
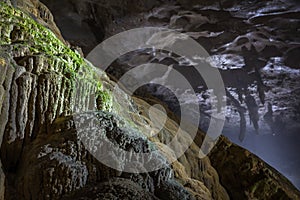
point(19, 31)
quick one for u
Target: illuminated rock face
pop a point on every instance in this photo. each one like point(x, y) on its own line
point(41, 155)
point(255, 46)
point(254, 177)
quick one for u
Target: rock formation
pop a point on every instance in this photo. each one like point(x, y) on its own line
point(50, 95)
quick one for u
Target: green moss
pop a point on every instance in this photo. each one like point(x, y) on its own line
point(104, 101)
point(20, 31)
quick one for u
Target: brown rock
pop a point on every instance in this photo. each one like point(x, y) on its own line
point(245, 176)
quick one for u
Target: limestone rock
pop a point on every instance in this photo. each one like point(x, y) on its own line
point(52, 102)
point(245, 176)
point(44, 82)
point(91, 18)
point(39, 12)
point(117, 188)
point(59, 164)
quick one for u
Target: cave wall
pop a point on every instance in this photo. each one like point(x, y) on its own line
point(42, 157)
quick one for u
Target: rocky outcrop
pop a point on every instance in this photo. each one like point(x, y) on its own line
point(52, 102)
point(43, 82)
point(86, 22)
point(37, 82)
point(245, 176)
point(57, 165)
point(39, 12)
point(114, 189)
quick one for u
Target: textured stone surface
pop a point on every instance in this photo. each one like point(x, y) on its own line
point(39, 12)
point(43, 84)
point(116, 188)
point(196, 174)
point(38, 75)
point(59, 164)
point(86, 22)
point(245, 176)
point(42, 158)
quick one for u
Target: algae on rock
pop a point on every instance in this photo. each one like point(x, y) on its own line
point(45, 87)
point(43, 84)
point(38, 83)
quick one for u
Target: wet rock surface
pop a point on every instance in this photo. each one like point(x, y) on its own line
point(255, 46)
point(45, 92)
point(61, 164)
point(114, 189)
point(41, 154)
point(256, 177)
